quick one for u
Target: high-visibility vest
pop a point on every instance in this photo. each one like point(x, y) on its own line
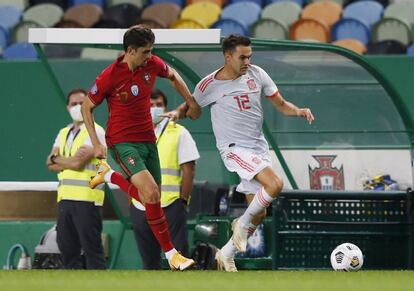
point(74, 185)
point(171, 179)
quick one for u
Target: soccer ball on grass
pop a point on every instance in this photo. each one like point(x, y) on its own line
point(347, 257)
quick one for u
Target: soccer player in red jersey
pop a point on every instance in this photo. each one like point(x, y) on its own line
point(127, 84)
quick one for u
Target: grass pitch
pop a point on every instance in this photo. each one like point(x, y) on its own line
point(45, 280)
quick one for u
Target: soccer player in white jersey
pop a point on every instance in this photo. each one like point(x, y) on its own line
point(234, 93)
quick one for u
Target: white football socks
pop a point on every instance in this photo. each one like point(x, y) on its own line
point(260, 202)
point(170, 253)
point(228, 250)
point(108, 175)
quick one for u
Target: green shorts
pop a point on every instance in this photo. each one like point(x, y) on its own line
point(136, 157)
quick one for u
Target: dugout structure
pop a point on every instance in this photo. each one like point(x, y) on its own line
point(361, 125)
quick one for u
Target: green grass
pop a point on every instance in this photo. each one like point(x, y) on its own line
point(205, 280)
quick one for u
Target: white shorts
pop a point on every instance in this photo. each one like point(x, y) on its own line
point(247, 165)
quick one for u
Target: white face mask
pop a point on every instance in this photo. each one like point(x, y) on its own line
point(75, 113)
point(155, 114)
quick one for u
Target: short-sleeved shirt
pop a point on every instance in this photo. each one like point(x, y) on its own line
point(236, 109)
point(128, 96)
point(99, 131)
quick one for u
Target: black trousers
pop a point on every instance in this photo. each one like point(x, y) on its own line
point(79, 227)
point(147, 244)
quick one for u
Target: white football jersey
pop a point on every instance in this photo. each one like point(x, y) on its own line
point(236, 109)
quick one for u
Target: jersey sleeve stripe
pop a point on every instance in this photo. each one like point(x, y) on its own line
point(203, 83)
point(206, 84)
point(273, 95)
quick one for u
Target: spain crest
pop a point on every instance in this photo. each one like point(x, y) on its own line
point(325, 176)
point(251, 84)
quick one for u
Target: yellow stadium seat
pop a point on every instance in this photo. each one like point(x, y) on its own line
point(204, 12)
point(187, 23)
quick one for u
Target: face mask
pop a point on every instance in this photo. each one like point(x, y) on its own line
point(155, 114)
point(75, 113)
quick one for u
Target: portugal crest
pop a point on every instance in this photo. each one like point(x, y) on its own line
point(325, 176)
point(131, 161)
point(134, 90)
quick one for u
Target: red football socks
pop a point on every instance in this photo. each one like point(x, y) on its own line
point(125, 185)
point(159, 226)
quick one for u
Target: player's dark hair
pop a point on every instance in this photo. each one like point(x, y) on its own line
point(231, 41)
point(75, 91)
point(138, 36)
point(157, 93)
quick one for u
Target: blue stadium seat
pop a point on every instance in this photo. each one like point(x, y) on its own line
point(366, 11)
point(21, 50)
point(180, 3)
point(258, 2)
point(4, 37)
point(229, 26)
point(410, 50)
point(351, 28)
point(100, 3)
point(9, 16)
point(246, 13)
point(300, 2)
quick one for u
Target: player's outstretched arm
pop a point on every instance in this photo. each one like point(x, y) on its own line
point(86, 109)
point(290, 109)
point(194, 110)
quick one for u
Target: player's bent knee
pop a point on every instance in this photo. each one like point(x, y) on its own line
point(275, 187)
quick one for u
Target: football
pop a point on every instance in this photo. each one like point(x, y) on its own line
point(347, 257)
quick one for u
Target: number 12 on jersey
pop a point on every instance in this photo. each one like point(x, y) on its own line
point(242, 102)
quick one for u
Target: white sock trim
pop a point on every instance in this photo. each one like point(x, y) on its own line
point(170, 253)
point(108, 175)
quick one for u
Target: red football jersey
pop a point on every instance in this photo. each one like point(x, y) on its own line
point(128, 96)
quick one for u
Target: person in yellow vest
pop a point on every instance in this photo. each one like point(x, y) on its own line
point(177, 152)
point(79, 221)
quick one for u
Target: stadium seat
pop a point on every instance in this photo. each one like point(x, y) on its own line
point(300, 2)
point(391, 29)
point(368, 12)
point(46, 14)
point(180, 3)
point(139, 3)
point(68, 24)
point(403, 11)
point(20, 4)
point(285, 11)
point(340, 2)
point(164, 13)
point(9, 16)
point(384, 3)
point(269, 29)
point(187, 23)
point(61, 3)
point(325, 11)
point(206, 13)
point(309, 29)
point(20, 50)
point(258, 2)
point(386, 47)
point(229, 26)
point(246, 13)
point(62, 51)
point(352, 44)
point(351, 28)
point(85, 14)
point(126, 15)
point(220, 3)
point(100, 3)
point(410, 50)
point(153, 23)
point(4, 37)
point(20, 33)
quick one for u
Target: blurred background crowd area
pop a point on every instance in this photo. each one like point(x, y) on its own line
point(364, 26)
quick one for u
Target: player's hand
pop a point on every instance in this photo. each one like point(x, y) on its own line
point(99, 151)
point(306, 113)
point(194, 110)
point(173, 115)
